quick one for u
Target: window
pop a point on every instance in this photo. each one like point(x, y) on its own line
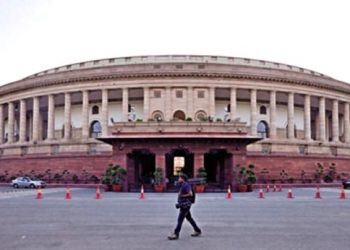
point(95, 129)
point(179, 66)
point(201, 116)
point(263, 110)
point(158, 116)
point(263, 129)
point(157, 94)
point(201, 94)
point(95, 110)
point(179, 115)
point(178, 93)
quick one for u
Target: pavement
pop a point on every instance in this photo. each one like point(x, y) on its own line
point(122, 221)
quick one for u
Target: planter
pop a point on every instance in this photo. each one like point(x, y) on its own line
point(159, 188)
point(200, 188)
point(108, 188)
point(117, 187)
point(242, 188)
point(250, 188)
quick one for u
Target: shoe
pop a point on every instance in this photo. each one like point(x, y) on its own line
point(173, 237)
point(196, 234)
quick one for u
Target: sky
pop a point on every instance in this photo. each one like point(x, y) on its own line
point(36, 35)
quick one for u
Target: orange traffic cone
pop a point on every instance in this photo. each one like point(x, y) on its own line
point(290, 194)
point(39, 194)
point(229, 193)
point(274, 188)
point(318, 193)
point(267, 188)
point(68, 194)
point(142, 194)
point(342, 194)
point(280, 188)
point(98, 193)
point(261, 193)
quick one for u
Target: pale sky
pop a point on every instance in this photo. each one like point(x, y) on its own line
point(36, 35)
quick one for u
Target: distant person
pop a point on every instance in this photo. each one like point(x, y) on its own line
point(184, 203)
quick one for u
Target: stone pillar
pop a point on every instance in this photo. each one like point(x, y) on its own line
point(11, 122)
point(168, 115)
point(1, 123)
point(291, 116)
point(36, 115)
point(212, 102)
point(23, 121)
point(322, 119)
point(104, 112)
point(307, 118)
point(198, 162)
point(335, 121)
point(273, 129)
point(85, 115)
point(347, 122)
point(233, 104)
point(51, 118)
point(190, 102)
point(125, 104)
point(160, 163)
point(253, 112)
point(67, 116)
point(146, 104)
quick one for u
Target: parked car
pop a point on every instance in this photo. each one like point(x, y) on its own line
point(27, 182)
point(346, 183)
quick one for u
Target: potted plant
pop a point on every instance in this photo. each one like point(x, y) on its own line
point(202, 175)
point(318, 172)
point(331, 174)
point(158, 180)
point(107, 181)
point(242, 179)
point(251, 177)
point(118, 175)
point(283, 176)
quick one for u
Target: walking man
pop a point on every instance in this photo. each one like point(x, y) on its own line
point(184, 203)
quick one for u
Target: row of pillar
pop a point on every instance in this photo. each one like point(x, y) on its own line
point(168, 114)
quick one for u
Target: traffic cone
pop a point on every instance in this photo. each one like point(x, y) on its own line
point(39, 194)
point(290, 194)
point(280, 188)
point(267, 188)
point(261, 193)
point(98, 193)
point(68, 194)
point(274, 188)
point(142, 194)
point(318, 193)
point(342, 194)
point(229, 193)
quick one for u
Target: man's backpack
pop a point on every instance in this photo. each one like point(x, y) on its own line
point(193, 197)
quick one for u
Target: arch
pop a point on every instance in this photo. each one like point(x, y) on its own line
point(95, 110)
point(158, 116)
point(201, 116)
point(263, 129)
point(179, 115)
point(263, 110)
point(95, 129)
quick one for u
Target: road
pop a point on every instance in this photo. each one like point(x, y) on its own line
point(122, 221)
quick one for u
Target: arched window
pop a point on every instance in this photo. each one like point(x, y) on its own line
point(201, 116)
point(158, 116)
point(179, 115)
point(263, 129)
point(95, 110)
point(95, 129)
point(263, 110)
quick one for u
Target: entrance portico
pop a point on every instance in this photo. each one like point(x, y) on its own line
point(178, 151)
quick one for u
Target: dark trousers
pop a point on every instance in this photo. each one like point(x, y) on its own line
point(185, 213)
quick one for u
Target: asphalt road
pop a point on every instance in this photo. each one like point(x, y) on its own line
point(122, 221)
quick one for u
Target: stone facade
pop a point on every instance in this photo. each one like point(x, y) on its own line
point(54, 117)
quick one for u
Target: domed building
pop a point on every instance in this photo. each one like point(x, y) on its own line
point(178, 113)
